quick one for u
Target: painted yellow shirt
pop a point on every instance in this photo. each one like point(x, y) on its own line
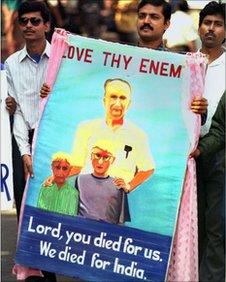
point(132, 152)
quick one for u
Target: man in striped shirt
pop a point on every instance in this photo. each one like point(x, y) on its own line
point(26, 71)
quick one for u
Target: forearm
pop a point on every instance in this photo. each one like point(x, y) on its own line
point(75, 170)
point(20, 132)
point(139, 178)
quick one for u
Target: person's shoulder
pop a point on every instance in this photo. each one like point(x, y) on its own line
point(220, 61)
point(134, 127)
point(84, 176)
point(91, 123)
point(46, 189)
point(69, 186)
point(14, 57)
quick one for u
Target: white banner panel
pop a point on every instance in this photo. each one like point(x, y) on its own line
point(6, 151)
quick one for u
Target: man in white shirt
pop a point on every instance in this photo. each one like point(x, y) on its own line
point(26, 70)
point(181, 35)
point(210, 171)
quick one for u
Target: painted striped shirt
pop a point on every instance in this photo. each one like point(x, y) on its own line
point(25, 78)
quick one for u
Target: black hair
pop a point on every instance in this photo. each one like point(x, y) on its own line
point(212, 8)
point(34, 6)
point(183, 6)
point(166, 7)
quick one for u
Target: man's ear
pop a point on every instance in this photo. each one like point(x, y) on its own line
point(113, 159)
point(128, 105)
point(167, 24)
point(47, 25)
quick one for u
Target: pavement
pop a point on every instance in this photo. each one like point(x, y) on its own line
point(8, 248)
point(8, 244)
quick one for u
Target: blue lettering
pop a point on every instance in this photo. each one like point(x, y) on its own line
point(4, 176)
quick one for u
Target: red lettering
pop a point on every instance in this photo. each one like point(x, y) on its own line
point(71, 52)
point(143, 65)
point(175, 72)
point(163, 70)
point(154, 67)
point(88, 56)
point(106, 57)
point(79, 53)
point(126, 61)
point(115, 60)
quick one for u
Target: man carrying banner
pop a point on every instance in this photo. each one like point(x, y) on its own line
point(153, 20)
point(210, 170)
point(26, 71)
point(99, 197)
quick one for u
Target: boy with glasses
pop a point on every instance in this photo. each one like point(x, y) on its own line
point(100, 198)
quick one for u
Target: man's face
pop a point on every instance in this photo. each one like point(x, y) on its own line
point(101, 160)
point(151, 23)
point(61, 170)
point(212, 31)
point(117, 99)
point(32, 26)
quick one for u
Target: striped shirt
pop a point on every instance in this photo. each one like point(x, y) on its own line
point(25, 78)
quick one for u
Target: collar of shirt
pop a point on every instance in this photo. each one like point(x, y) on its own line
point(220, 60)
point(159, 48)
point(25, 54)
point(122, 127)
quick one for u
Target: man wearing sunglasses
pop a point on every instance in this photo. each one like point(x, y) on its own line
point(99, 197)
point(26, 70)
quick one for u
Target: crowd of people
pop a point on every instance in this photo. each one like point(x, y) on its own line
point(26, 71)
point(113, 20)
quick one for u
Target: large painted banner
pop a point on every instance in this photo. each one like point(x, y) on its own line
point(6, 151)
point(109, 164)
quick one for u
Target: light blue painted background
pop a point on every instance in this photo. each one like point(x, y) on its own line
point(156, 107)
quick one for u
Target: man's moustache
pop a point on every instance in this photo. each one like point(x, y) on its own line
point(146, 26)
point(28, 30)
point(210, 34)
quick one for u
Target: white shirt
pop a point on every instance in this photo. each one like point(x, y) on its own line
point(214, 88)
point(181, 30)
point(25, 77)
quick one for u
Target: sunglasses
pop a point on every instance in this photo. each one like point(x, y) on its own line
point(99, 156)
point(34, 21)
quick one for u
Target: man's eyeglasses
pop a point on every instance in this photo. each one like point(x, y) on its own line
point(34, 21)
point(99, 156)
